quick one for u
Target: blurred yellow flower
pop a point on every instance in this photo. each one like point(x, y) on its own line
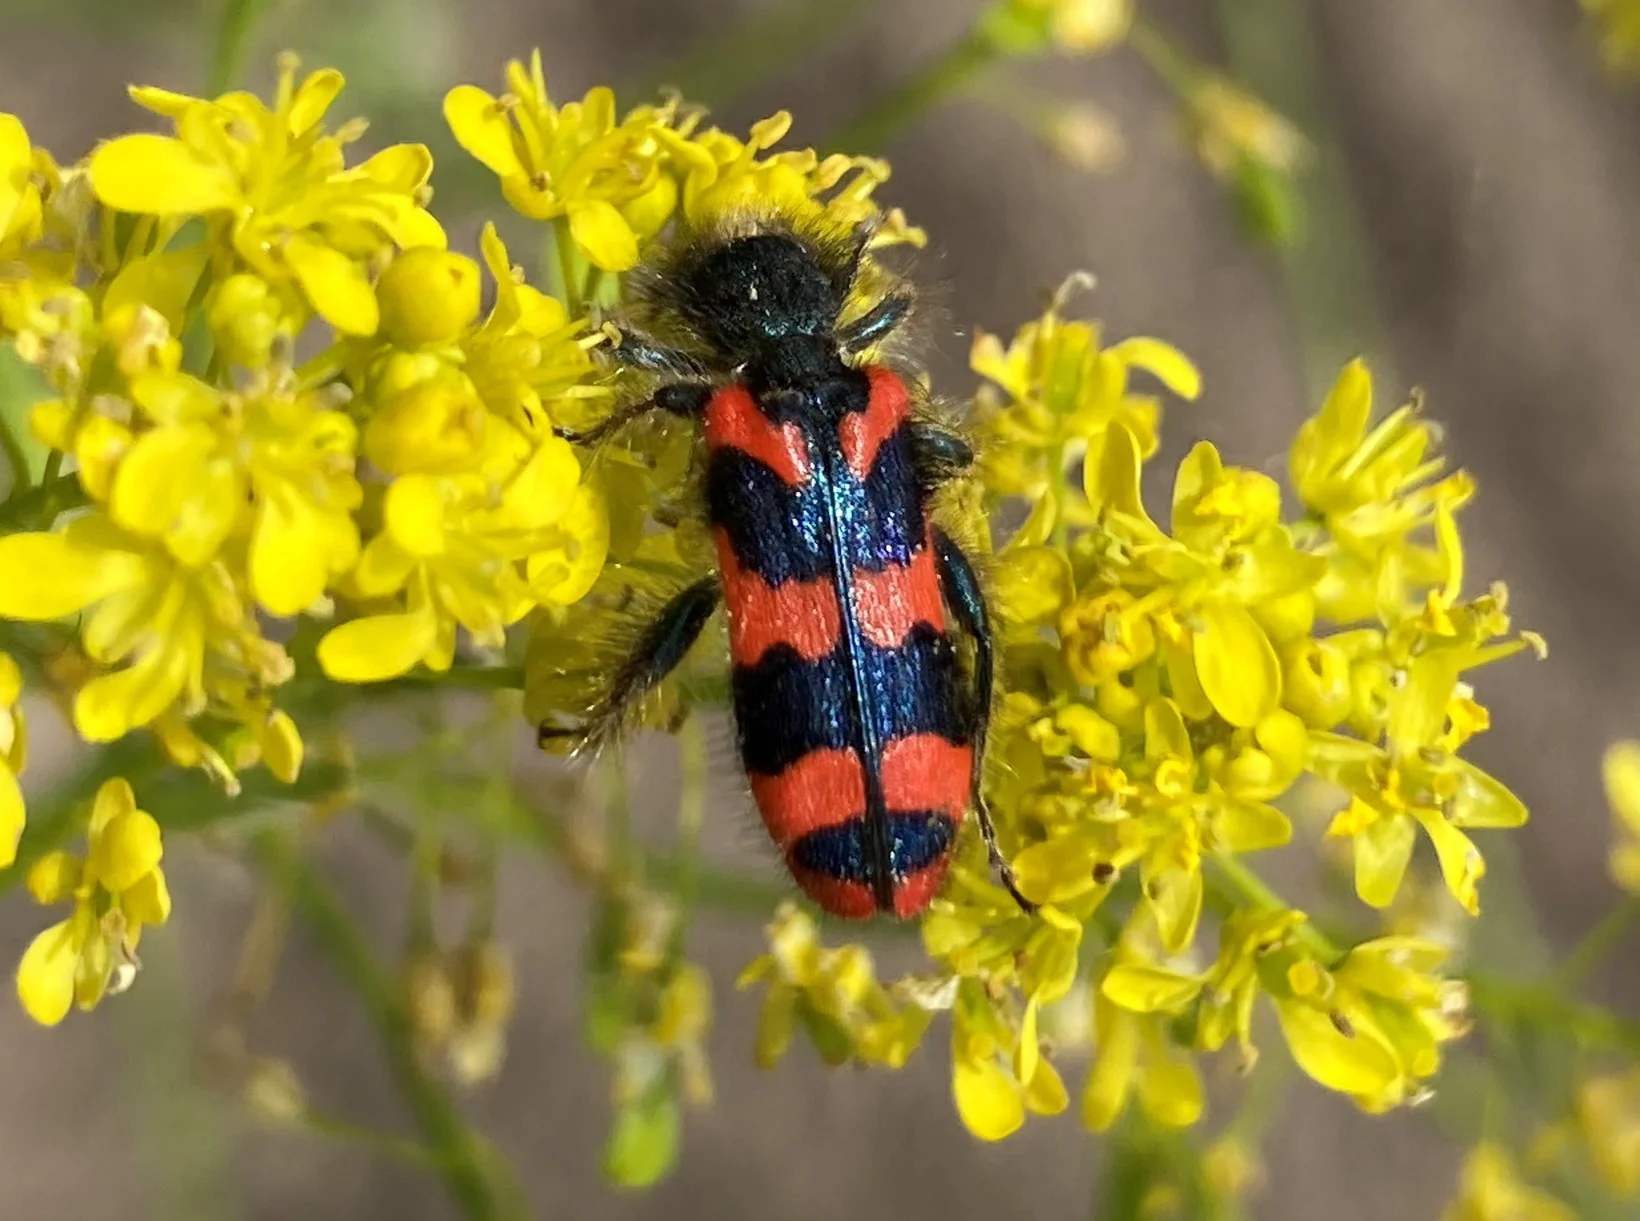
point(13, 754)
point(117, 889)
point(1619, 25)
point(1622, 773)
point(1491, 1189)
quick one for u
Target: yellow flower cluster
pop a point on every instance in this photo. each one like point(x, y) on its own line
point(1622, 771)
point(1165, 687)
point(116, 888)
point(404, 487)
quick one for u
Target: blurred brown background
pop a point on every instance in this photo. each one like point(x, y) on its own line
point(1496, 177)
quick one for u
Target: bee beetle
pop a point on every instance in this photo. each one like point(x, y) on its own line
point(860, 732)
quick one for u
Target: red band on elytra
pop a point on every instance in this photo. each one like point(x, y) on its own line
point(733, 421)
point(803, 614)
point(824, 788)
point(862, 433)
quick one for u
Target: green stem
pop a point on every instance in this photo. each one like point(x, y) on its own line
point(232, 36)
point(16, 458)
point(897, 109)
point(1545, 1008)
point(1256, 891)
point(1600, 941)
point(1176, 69)
point(1329, 270)
point(461, 1155)
point(385, 1144)
point(42, 504)
point(691, 737)
point(569, 267)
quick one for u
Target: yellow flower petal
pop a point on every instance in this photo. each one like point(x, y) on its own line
point(1175, 899)
point(1046, 1094)
point(148, 900)
point(1116, 1057)
point(566, 574)
point(482, 128)
point(115, 797)
point(111, 705)
point(1357, 1065)
point(1237, 664)
point(414, 513)
point(159, 175)
point(15, 166)
point(1461, 862)
point(282, 747)
point(1145, 989)
point(1031, 584)
point(603, 235)
point(128, 848)
point(290, 560)
point(542, 492)
point(1383, 850)
point(45, 976)
point(336, 286)
point(49, 576)
point(1162, 361)
point(313, 97)
point(988, 1099)
point(169, 486)
point(1621, 771)
point(378, 647)
point(1170, 1090)
point(53, 877)
point(12, 815)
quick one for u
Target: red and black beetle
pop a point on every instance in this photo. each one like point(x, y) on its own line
point(860, 731)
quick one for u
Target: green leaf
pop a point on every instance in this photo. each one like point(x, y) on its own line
point(643, 1144)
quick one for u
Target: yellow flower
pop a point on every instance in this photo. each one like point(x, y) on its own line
point(117, 889)
point(723, 175)
point(13, 754)
point(1622, 772)
point(271, 464)
point(1077, 27)
point(1491, 1189)
point(575, 160)
point(180, 634)
point(470, 550)
point(1231, 128)
point(275, 189)
point(1063, 391)
point(834, 995)
point(1608, 1114)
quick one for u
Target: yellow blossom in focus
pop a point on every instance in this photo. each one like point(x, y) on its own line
point(13, 754)
point(117, 889)
point(271, 463)
point(578, 160)
point(1491, 1189)
point(179, 637)
point(1060, 393)
point(1622, 772)
point(275, 188)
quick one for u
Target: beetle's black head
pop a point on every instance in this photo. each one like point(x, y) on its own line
point(752, 293)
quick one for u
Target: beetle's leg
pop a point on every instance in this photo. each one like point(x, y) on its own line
point(657, 653)
point(961, 589)
point(686, 399)
point(937, 454)
point(635, 350)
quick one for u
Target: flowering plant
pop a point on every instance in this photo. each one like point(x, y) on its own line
point(292, 452)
